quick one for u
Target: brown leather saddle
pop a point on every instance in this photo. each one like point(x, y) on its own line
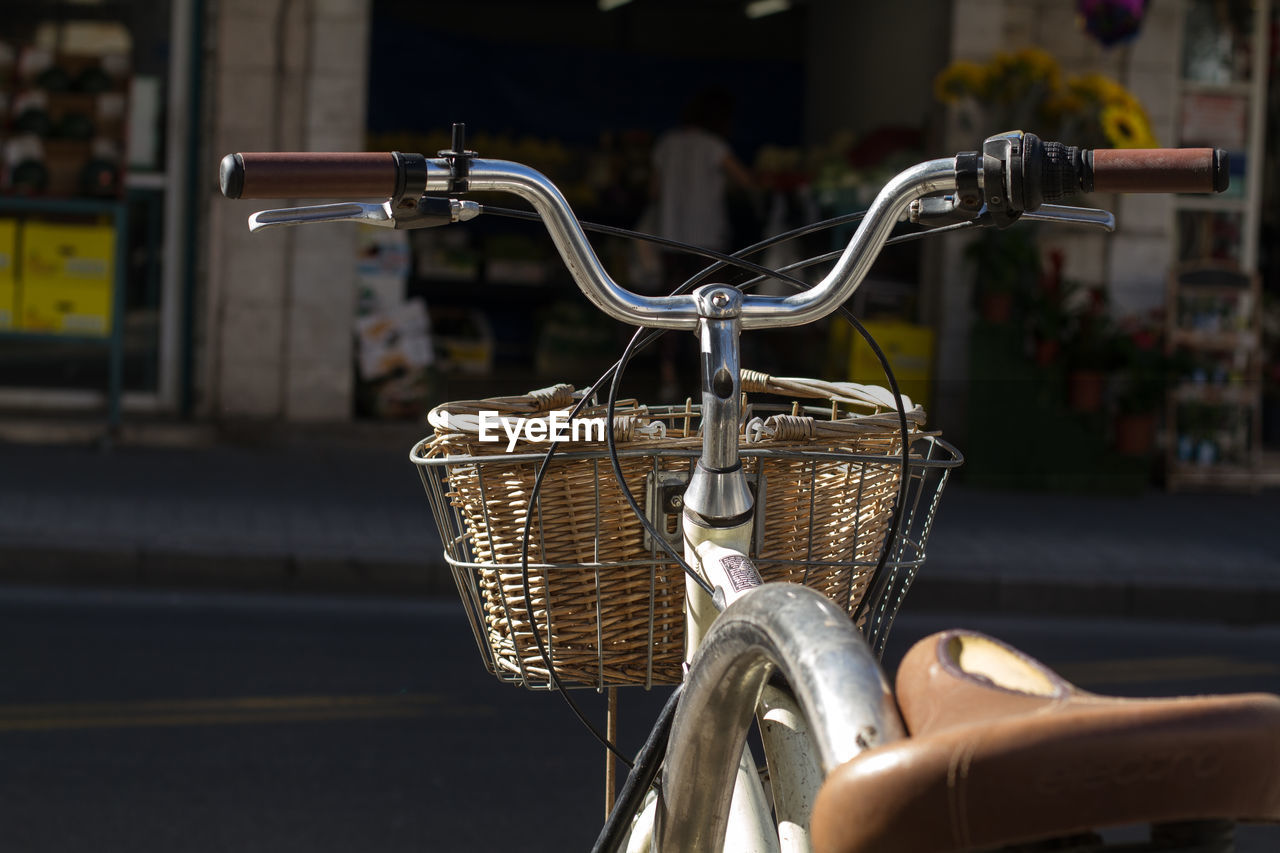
point(1002, 750)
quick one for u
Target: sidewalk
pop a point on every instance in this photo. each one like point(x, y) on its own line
point(345, 513)
point(337, 513)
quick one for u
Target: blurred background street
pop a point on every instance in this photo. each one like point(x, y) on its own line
point(257, 645)
point(202, 722)
point(225, 618)
point(344, 511)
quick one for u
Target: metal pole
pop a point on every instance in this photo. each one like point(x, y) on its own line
point(115, 357)
point(610, 760)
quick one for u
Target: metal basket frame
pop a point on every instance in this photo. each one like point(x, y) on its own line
point(655, 620)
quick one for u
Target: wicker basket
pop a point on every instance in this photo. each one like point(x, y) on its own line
point(606, 602)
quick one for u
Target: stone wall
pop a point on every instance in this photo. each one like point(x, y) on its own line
point(276, 308)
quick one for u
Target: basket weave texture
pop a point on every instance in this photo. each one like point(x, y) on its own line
point(606, 602)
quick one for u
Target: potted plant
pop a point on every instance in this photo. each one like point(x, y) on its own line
point(1049, 313)
point(1089, 352)
point(1142, 382)
point(1006, 267)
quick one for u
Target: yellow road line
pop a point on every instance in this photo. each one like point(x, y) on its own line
point(237, 710)
point(240, 710)
point(231, 703)
point(1139, 670)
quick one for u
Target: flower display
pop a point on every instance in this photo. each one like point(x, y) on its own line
point(960, 79)
point(1025, 90)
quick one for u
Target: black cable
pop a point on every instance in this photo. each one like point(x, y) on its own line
point(904, 430)
point(722, 260)
point(832, 255)
point(648, 763)
point(528, 595)
point(689, 248)
point(638, 343)
point(629, 352)
point(633, 346)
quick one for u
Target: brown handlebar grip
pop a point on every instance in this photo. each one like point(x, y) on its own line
point(1160, 170)
point(298, 174)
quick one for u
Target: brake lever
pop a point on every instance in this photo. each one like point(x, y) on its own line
point(351, 211)
point(940, 211)
point(428, 212)
point(1104, 219)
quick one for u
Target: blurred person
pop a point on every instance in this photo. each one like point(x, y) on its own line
point(693, 170)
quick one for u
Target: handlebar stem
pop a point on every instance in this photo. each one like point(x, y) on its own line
point(682, 312)
point(718, 495)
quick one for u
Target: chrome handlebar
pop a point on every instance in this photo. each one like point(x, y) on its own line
point(929, 192)
point(681, 312)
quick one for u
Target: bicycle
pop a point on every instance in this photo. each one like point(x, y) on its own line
point(978, 744)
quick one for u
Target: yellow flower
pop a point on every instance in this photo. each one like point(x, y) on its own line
point(958, 79)
point(1038, 64)
point(1103, 90)
point(1025, 88)
point(1122, 97)
point(1090, 87)
point(1061, 104)
point(1127, 128)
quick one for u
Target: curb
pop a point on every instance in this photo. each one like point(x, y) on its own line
point(95, 433)
point(38, 565)
point(78, 430)
point(1236, 605)
point(430, 577)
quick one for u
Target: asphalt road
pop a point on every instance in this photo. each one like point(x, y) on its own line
point(158, 722)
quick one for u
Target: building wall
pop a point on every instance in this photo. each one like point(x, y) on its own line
point(860, 77)
point(277, 307)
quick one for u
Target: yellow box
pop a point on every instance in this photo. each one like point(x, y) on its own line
point(8, 280)
point(8, 304)
point(65, 309)
point(66, 278)
point(909, 349)
point(8, 250)
point(68, 254)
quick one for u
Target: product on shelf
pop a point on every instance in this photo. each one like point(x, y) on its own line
point(67, 114)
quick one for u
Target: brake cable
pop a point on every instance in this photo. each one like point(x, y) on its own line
point(643, 339)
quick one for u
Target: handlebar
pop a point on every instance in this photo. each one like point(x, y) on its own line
point(1013, 174)
point(253, 174)
point(308, 175)
point(1160, 170)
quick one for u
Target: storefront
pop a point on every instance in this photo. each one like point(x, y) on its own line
point(574, 89)
point(97, 103)
point(583, 101)
point(582, 91)
point(311, 324)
